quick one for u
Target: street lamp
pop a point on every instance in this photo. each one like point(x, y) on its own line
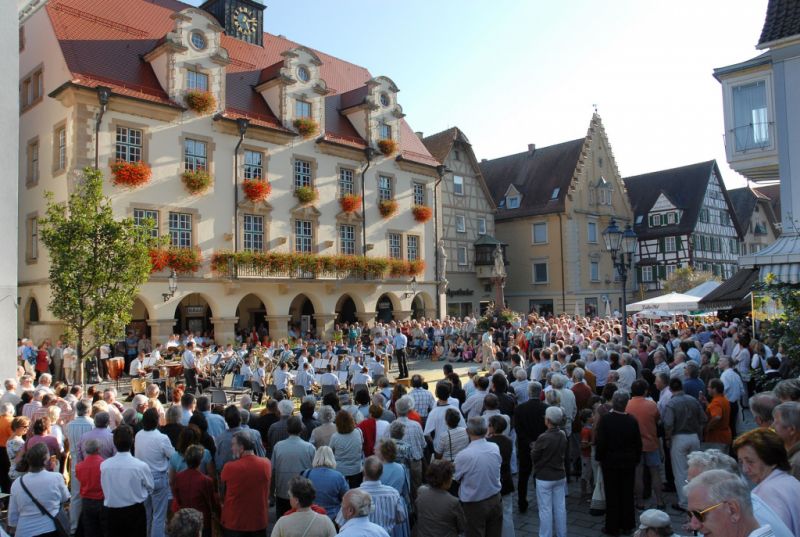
point(413, 290)
point(173, 285)
point(622, 245)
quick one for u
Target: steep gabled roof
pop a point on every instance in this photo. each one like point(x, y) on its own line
point(773, 193)
point(104, 42)
point(744, 200)
point(782, 20)
point(685, 186)
point(535, 174)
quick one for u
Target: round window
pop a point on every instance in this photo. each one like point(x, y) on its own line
point(303, 74)
point(385, 101)
point(198, 40)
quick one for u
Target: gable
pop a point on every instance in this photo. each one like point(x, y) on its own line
point(662, 204)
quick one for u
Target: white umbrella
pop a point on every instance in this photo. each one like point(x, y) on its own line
point(672, 302)
point(703, 289)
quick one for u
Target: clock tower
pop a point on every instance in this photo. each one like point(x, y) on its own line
point(242, 19)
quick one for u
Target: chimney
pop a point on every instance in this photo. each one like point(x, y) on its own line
point(531, 148)
point(419, 135)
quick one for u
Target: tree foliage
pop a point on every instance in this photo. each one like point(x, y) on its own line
point(683, 279)
point(97, 263)
point(785, 330)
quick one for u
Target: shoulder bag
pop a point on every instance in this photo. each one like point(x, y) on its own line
point(61, 520)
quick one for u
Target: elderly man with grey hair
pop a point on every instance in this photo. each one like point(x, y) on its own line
point(551, 479)
point(626, 373)
point(75, 430)
point(414, 437)
point(762, 405)
point(356, 508)
point(714, 459)
point(278, 431)
point(102, 434)
point(477, 469)
point(600, 368)
point(389, 510)
point(787, 424)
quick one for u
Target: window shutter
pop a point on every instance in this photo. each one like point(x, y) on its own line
point(662, 272)
point(650, 220)
point(638, 274)
point(661, 246)
point(678, 243)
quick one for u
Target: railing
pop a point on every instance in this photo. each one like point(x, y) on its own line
point(249, 271)
point(754, 136)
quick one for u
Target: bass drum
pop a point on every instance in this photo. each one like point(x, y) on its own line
point(116, 366)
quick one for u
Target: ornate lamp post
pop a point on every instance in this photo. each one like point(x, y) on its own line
point(173, 286)
point(622, 245)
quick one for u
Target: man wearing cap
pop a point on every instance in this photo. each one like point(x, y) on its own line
point(654, 523)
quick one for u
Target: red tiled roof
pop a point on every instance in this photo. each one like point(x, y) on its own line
point(103, 43)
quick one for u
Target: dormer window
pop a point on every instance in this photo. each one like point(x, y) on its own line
point(554, 196)
point(656, 220)
point(385, 131)
point(670, 218)
point(750, 122)
point(303, 74)
point(302, 109)
point(198, 40)
point(604, 195)
point(639, 219)
point(512, 202)
point(196, 80)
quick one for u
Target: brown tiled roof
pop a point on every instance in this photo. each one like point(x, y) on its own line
point(535, 174)
point(783, 20)
point(684, 186)
point(103, 43)
point(773, 193)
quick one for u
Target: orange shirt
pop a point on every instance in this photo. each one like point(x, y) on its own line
point(646, 413)
point(5, 430)
point(721, 432)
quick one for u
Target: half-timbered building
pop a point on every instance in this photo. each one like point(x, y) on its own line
point(683, 218)
point(757, 218)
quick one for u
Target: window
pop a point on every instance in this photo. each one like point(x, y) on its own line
point(60, 148)
point(31, 89)
point(419, 194)
point(647, 273)
point(703, 216)
point(605, 196)
point(347, 240)
point(669, 244)
point(303, 235)
point(540, 273)
point(481, 226)
point(346, 185)
point(656, 219)
point(33, 238)
point(591, 232)
point(639, 219)
point(594, 271)
point(302, 109)
point(385, 190)
point(302, 173)
point(198, 40)
point(512, 202)
point(129, 144)
point(540, 233)
point(385, 131)
point(458, 185)
point(195, 155)
point(385, 100)
point(146, 218)
point(670, 269)
point(750, 122)
point(461, 224)
point(412, 247)
point(180, 230)
point(462, 255)
point(253, 233)
point(395, 246)
point(32, 176)
point(303, 74)
point(456, 155)
point(253, 165)
point(196, 81)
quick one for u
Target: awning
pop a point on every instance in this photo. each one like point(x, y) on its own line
point(783, 272)
point(732, 292)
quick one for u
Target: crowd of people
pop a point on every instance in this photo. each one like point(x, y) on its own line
point(633, 419)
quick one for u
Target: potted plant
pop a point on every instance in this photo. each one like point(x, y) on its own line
point(196, 181)
point(306, 194)
point(422, 213)
point(387, 208)
point(306, 126)
point(200, 101)
point(130, 174)
point(387, 146)
point(184, 260)
point(350, 202)
point(256, 189)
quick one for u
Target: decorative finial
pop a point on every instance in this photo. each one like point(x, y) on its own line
point(595, 108)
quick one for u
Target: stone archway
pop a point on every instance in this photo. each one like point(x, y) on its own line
point(385, 308)
point(301, 317)
point(193, 314)
point(252, 315)
point(417, 307)
point(139, 317)
point(346, 310)
point(30, 316)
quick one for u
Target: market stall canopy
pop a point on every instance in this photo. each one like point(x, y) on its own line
point(703, 289)
point(732, 292)
point(672, 302)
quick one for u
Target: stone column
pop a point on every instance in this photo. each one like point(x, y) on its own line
point(430, 313)
point(224, 329)
point(366, 318)
point(160, 330)
point(278, 326)
point(324, 324)
point(402, 315)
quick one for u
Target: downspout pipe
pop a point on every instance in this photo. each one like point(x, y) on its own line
point(242, 124)
point(441, 169)
point(103, 95)
point(369, 152)
point(563, 278)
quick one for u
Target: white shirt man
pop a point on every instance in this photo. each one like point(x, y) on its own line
point(136, 368)
point(305, 377)
point(280, 378)
point(361, 377)
point(329, 379)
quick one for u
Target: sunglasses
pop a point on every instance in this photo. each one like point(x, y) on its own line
point(701, 515)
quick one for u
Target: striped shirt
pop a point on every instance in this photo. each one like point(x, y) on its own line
point(75, 429)
point(389, 509)
point(451, 442)
point(414, 437)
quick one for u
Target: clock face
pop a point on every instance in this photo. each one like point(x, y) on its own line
point(244, 20)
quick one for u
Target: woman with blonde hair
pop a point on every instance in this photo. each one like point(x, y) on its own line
point(329, 483)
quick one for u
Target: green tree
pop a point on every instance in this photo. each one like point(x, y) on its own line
point(683, 279)
point(785, 330)
point(97, 264)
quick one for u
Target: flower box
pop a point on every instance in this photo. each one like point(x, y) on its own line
point(350, 203)
point(306, 194)
point(197, 181)
point(306, 127)
point(130, 174)
point(201, 101)
point(159, 259)
point(387, 146)
point(256, 189)
point(387, 208)
point(422, 213)
point(184, 260)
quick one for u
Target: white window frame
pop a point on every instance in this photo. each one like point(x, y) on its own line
point(304, 236)
point(589, 233)
point(253, 164)
point(534, 264)
point(463, 260)
point(303, 173)
point(731, 132)
point(539, 225)
point(419, 193)
point(385, 131)
point(458, 185)
point(481, 226)
point(412, 247)
point(512, 202)
point(180, 229)
point(647, 273)
point(253, 232)
point(129, 145)
point(347, 239)
point(196, 80)
point(395, 245)
point(670, 269)
point(594, 271)
point(670, 218)
point(302, 109)
point(195, 155)
point(656, 220)
point(385, 188)
point(61, 141)
point(346, 181)
point(461, 224)
point(141, 215)
point(670, 244)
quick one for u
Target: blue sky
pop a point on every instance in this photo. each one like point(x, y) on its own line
point(510, 73)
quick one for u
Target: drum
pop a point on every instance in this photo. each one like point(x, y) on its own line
point(116, 366)
point(175, 369)
point(138, 385)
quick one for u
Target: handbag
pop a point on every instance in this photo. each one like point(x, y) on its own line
point(61, 520)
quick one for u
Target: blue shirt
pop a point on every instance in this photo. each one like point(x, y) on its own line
point(478, 471)
point(216, 424)
point(361, 527)
point(693, 387)
point(330, 486)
